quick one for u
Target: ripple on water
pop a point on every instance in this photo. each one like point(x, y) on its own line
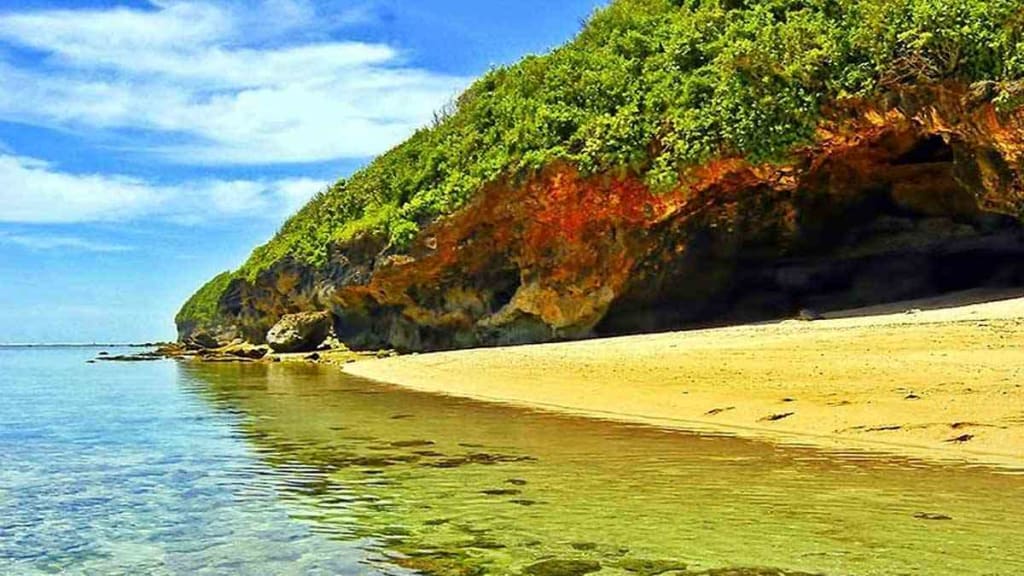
point(181, 469)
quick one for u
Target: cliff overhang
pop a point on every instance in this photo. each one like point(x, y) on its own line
point(905, 196)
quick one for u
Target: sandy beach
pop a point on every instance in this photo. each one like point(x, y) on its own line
point(939, 379)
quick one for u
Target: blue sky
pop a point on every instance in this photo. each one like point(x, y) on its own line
point(147, 145)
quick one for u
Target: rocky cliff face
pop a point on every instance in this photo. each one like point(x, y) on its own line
point(917, 194)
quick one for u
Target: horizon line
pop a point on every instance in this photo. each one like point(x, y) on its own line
point(79, 344)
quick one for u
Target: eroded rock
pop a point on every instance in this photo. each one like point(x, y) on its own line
point(302, 332)
point(907, 197)
point(202, 339)
point(244, 350)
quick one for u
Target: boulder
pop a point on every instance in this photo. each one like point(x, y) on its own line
point(300, 332)
point(809, 315)
point(201, 340)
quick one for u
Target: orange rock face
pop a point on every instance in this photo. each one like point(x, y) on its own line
point(906, 198)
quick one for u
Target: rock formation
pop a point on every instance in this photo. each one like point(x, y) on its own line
point(914, 194)
point(302, 332)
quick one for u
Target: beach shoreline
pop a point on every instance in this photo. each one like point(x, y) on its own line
point(940, 380)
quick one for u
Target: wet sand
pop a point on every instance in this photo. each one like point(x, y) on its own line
point(939, 379)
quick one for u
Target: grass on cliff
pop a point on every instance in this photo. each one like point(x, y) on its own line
point(656, 86)
point(202, 307)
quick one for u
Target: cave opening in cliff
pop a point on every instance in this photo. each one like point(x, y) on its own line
point(868, 232)
point(505, 285)
point(927, 150)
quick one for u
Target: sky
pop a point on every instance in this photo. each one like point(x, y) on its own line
point(147, 145)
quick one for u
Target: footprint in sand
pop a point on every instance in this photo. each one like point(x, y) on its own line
point(777, 417)
point(891, 428)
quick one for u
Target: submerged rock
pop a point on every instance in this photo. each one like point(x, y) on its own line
point(144, 357)
point(562, 568)
point(650, 567)
point(482, 458)
point(485, 544)
point(300, 332)
point(755, 571)
point(501, 492)
point(412, 443)
point(931, 516)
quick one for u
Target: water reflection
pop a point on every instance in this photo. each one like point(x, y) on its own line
point(456, 487)
point(114, 469)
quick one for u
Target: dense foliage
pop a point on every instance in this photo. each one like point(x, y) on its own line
point(655, 86)
point(201, 308)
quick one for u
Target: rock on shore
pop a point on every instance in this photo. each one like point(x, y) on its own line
point(302, 332)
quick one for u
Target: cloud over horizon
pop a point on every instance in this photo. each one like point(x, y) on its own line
point(60, 242)
point(35, 192)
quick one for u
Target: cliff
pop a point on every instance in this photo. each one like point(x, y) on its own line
point(676, 164)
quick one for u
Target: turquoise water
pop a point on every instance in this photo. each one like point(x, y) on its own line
point(123, 469)
point(165, 468)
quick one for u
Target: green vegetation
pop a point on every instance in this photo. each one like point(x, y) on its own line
point(655, 86)
point(201, 308)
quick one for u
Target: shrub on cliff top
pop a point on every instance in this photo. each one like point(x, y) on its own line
point(655, 86)
point(202, 307)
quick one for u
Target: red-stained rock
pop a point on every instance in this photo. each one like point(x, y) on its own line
point(896, 199)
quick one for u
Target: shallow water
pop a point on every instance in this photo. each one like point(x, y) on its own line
point(168, 468)
point(126, 469)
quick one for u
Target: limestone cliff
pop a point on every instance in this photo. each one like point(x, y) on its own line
point(908, 196)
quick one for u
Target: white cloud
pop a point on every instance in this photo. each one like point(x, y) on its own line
point(192, 70)
point(35, 192)
point(57, 242)
point(30, 191)
point(95, 35)
point(295, 193)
